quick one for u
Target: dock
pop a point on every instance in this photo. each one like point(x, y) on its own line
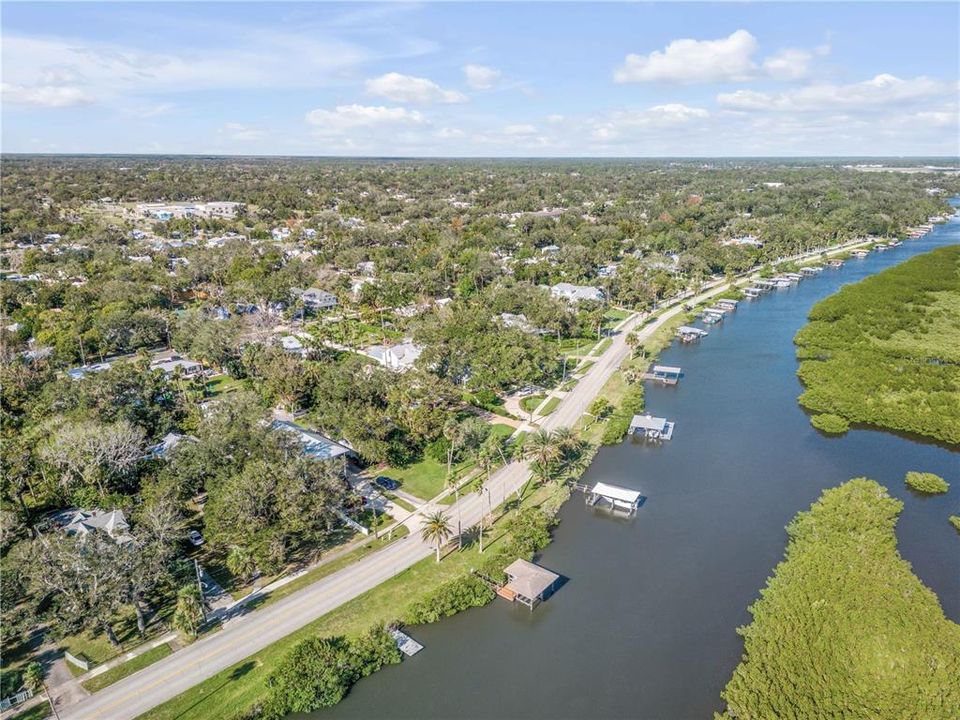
point(665, 374)
point(753, 292)
point(614, 497)
point(527, 583)
point(652, 428)
point(728, 303)
point(405, 644)
point(690, 334)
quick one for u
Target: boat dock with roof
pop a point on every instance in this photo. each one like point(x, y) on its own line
point(690, 334)
point(652, 428)
point(527, 583)
point(665, 373)
point(614, 497)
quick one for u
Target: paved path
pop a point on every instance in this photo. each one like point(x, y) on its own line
point(177, 673)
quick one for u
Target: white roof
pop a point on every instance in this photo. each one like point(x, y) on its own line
point(314, 445)
point(666, 369)
point(648, 422)
point(615, 492)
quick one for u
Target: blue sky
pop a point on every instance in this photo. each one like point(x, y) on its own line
point(459, 79)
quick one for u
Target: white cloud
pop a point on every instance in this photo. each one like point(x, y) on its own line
point(882, 90)
point(481, 77)
point(624, 125)
point(448, 133)
point(554, 119)
point(788, 64)
point(689, 61)
point(520, 129)
point(58, 72)
point(345, 118)
point(48, 96)
point(240, 133)
point(410, 89)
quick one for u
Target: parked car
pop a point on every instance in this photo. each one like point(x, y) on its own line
point(386, 483)
point(195, 538)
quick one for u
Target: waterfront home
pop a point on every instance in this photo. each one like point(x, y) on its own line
point(527, 583)
point(653, 428)
point(577, 293)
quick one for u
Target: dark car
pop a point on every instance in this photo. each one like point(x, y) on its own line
point(386, 483)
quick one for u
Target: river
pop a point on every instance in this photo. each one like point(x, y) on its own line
point(644, 626)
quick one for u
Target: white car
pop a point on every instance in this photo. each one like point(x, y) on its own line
point(195, 538)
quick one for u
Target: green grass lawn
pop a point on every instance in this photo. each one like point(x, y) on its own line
point(602, 347)
point(400, 502)
point(128, 668)
point(233, 690)
point(37, 712)
point(223, 384)
point(572, 346)
point(501, 430)
point(531, 402)
point(424, 479)
point(550, 406)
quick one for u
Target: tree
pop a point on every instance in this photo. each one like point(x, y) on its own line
point(34, 680)
point(81, 578)
point(91, 453)
point(542, 452)
point(188, 614)
point(600, 408)
point(436, 529)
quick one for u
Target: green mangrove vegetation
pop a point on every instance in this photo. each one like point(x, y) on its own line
point(844, 629)
point(927, 483)
point(886, 351)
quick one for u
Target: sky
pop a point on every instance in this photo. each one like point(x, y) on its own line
point(482, 79)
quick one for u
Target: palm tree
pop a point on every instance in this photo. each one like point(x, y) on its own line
point(436, 529)
point(542, 451)
point(33, 679)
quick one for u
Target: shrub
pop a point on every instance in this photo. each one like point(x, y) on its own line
point(461, 593)
point(832, 424)
point(619, 421)
point(318, 672)
point(926, 483)
point(955, 521)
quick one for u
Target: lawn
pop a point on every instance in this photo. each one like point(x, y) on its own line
point(37, 712)
point(602, 347)
point(425, 479)
point(573, 346)
point(550, 406)
point(223, 384)
point(231, 691)
point(128, 668)
point(531, 402)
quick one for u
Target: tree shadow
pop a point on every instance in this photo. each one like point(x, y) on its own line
point(237, 673)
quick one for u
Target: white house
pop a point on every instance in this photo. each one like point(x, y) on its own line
point(169, 366)
point(577, 293)
point(396, 357)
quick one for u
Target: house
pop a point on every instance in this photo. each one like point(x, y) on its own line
point(519, 322)
point(745, 240)
point(527, 583)
point(85, 522)
point(168, 443)
point(78, 373)
point(577, 293)
point(314, 445)
point(171, 364)
point(316, 299)
point(396, 357)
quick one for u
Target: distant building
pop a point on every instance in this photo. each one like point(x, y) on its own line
point(577, 293)
point(168, 443)
point(171, 364)
point(316, 299)
point(748, 240)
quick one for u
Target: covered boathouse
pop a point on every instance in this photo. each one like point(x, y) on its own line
point(614, 497)
point(690, 334)
point(665, 374)
point(527, 583)
point(652, 428)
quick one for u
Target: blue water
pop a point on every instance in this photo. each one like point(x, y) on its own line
point(645, 625)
